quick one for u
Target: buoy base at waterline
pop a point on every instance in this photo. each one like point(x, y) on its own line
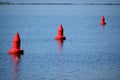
point(60, 38)
point(16, 51)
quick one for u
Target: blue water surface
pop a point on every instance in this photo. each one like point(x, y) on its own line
point(90, 51)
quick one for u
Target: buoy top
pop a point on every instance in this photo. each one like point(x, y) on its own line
point(16, 37)
point(16, 41)
point(103, 18)
point(60, 27)
point(60, 30)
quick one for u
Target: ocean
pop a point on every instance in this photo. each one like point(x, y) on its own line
point(90, 51)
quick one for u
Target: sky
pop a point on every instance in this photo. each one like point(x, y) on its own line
point(66, 1)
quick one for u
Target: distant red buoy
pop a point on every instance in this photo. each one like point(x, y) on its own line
point(60, 35)
point(16, 45)
point(102, 22)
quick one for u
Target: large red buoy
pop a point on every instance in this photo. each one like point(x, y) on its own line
point(102, 22)
point(60, 35)
point(16, 45)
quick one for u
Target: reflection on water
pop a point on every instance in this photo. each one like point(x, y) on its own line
point(60, 45)
point(59, 68)
point(16, 62)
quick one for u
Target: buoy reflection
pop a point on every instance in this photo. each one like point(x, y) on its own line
point(16, 61)
point(60, 45)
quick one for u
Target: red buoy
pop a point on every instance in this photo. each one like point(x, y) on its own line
point(16, 45)
point(60, 35)
point(102, 22)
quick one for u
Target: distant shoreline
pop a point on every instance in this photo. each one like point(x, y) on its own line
point(9, 3)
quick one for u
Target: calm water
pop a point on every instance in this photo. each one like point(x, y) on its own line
point(91, 52)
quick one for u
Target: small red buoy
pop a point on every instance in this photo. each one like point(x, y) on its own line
point(60, 35)
point(16, 45)
point(102, 22)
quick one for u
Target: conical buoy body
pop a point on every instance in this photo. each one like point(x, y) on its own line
point(60, 35)
point(16, 45)
point(102, 22)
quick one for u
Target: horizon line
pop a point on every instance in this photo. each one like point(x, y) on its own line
point(9, 3)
